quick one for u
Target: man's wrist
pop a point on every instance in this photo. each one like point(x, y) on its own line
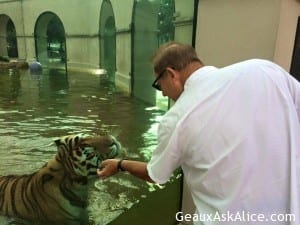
point(119, 165)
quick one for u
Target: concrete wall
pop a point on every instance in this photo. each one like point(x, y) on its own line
point(233, 30)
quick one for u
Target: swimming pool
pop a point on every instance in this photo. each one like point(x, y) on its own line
point(35, 109)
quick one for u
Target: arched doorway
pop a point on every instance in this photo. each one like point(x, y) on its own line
point(11, 39)
point(8, 39)
point(108, 40)
point(50, 41)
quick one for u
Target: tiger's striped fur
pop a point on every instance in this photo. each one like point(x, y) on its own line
point(57, 193)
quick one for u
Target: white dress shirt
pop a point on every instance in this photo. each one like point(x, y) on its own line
point(235, 132)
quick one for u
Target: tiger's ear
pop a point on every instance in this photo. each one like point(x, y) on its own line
point(57, 142)
point(84, 142)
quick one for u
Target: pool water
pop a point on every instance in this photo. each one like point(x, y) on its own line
point(35, 109)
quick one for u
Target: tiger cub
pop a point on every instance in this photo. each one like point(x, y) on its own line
point(57, 193)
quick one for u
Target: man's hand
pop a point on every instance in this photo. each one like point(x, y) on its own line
point(108, 168)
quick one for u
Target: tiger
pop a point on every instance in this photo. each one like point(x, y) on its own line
point(58, 192)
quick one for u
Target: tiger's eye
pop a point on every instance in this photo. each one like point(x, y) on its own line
point(78, 152)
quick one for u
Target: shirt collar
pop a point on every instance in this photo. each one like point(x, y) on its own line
point(201, 72)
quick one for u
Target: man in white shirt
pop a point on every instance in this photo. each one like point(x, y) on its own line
point(235, 132)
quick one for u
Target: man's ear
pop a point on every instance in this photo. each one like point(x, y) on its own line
point(172, 72)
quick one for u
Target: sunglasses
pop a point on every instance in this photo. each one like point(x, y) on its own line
point(155, 82)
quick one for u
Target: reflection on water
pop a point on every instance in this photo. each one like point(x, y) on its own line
point(34, 109)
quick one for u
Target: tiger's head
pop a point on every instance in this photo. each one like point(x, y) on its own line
point(82, 154)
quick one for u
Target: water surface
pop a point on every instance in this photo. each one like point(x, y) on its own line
point(35, 109)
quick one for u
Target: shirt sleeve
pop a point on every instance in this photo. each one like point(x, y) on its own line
point(294, 87)
point(285, 80)
point(166, 157)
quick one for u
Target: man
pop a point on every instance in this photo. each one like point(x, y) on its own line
point(235, 132)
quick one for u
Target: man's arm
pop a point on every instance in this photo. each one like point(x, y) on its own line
point(138, 169)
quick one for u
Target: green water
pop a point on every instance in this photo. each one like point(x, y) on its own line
point(35, 109)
